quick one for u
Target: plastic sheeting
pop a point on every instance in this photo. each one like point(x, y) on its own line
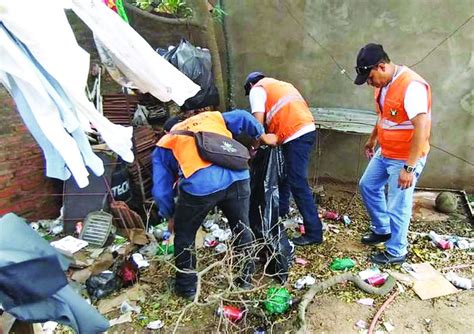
point(196, 64)
point(33, 286)
point(265, 173)
point(133, 56)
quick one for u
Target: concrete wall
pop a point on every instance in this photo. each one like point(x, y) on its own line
point(264, 36)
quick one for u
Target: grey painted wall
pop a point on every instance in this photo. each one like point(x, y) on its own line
point(264, 36)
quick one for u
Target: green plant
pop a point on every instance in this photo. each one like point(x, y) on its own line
point(143, 4)
point(175, 7)
point(218, 13)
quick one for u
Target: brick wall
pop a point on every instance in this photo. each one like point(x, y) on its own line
point(24, 188)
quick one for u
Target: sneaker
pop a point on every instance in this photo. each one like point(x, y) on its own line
point(386, 258)
point(375, 239)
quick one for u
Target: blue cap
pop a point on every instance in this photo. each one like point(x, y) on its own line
point(252, 78)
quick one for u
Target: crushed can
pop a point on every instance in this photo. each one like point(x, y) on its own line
point(302, 230)
point(210, 241)
point(233, 313)
point(377, 280)
point(331, 215)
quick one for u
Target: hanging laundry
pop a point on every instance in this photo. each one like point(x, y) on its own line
point(135, 58)
point(46, 71)
point(104, 53)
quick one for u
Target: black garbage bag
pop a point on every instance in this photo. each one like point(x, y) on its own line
point(120, 182)
point(102, 285)
point(265, 173)
point(196, 64)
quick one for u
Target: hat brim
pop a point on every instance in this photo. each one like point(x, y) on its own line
point(361, 78)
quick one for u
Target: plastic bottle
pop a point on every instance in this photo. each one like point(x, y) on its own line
point(462, 244)
point(232, 313)
point(438, 241)
point(459, 282)
point(278, 300)
point(165, 248)
point(346, 220)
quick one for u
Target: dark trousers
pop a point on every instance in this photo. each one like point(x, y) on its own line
point(296, 154)
point(190, 213)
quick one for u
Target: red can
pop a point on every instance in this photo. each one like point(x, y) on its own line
point(377, 280)
point(331, 215)
point(232, 313)
point(302, 230)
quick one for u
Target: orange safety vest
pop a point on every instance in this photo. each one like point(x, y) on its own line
point(394, 128)
point(286, 111)
point(184, 147)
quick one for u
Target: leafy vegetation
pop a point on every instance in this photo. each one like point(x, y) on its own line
point(218, 13)
point(176, 8)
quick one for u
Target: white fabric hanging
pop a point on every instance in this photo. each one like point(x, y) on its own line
point(133, 56)
point(58, 116)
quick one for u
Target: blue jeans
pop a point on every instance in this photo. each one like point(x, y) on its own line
point(296, 154)
point(389, 213)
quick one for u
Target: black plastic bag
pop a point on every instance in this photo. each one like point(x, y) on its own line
point(196, 64)
point(266, 172)
point(102, 285)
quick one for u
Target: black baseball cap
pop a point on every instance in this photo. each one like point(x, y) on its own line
point(252, 78)
point(369, 56)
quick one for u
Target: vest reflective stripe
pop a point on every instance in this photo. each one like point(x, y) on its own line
point(386, 124)
point(394, 128)
point(280, 104)
point(184, 147)
point(286, 111)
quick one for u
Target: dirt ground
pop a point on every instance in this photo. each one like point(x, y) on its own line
point(334, 310)
point(408, 314)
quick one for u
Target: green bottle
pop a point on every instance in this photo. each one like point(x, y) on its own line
point(342, 264)
point(278, 300)
point(164, 248)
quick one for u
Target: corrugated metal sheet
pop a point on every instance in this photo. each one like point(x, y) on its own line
point(345, 120)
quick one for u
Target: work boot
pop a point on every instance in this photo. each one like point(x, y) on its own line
point(386, 258)
point(188, 294)
point(375, 239)
point(304, 241)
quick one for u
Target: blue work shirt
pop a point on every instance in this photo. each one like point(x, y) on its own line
point(205, 181)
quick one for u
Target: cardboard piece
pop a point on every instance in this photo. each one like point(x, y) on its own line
point(429, 283)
